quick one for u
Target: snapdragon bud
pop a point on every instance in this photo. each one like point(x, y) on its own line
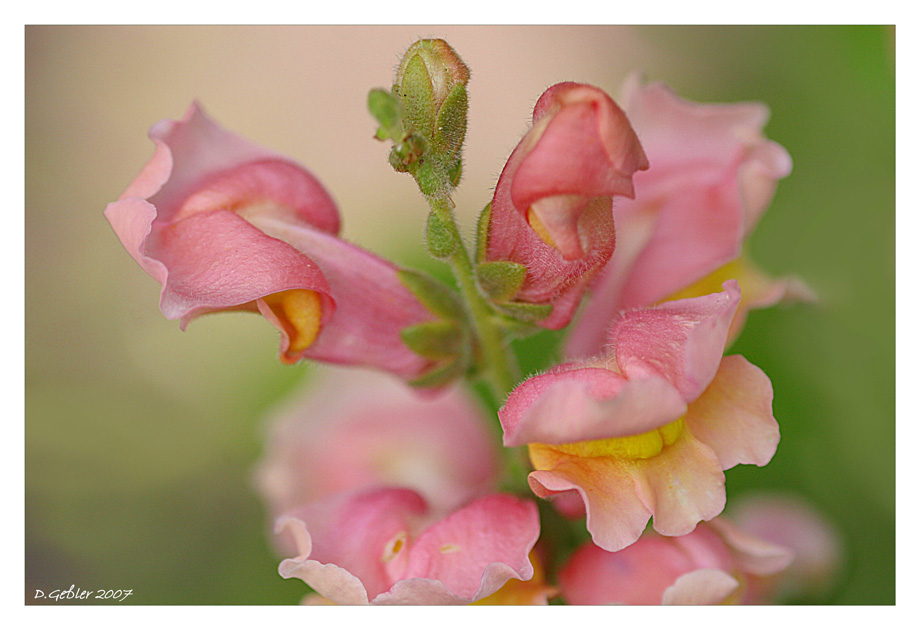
point(430, 77)
point(425, 115)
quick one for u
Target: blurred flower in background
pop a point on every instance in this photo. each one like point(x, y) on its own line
point(139, 443)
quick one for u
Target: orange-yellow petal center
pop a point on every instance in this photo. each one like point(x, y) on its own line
point(300, 314)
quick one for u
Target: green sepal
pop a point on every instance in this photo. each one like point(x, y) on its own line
point(431, 177)
point(482, 232)
point(530, 313)
point(417, 96)
point(455, 172)
point(440, 375)
point(450, 126)
point(515, 328)
point(436, 296)
point(385, 108)
point(501, 280)
point(440, 339)
point(441, 238)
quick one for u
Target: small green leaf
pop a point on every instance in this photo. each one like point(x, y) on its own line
point(525, 312)
point(431, 177)
point(442, 239)
point(436, 296)
point(455, 172)
point(501, 280)
point(450, 127)
point(482, 232)
point(440, 375)
point(434, 340)
point(384, 107)
point(417, 96)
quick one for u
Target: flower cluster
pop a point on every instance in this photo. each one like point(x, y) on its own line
point(624, 224)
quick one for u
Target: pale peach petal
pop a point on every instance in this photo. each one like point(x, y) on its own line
point(682, 486)
point(704, 587)
point(616, 516)
point(734, 416)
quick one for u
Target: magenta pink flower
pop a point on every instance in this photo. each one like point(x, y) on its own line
point(225, 225)
point(552, 206)
point(714, 564)
point(384, 547)
point(712, 176)
point(646, 429)
point(355, 429)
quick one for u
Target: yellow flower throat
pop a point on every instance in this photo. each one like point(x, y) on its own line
point(642, 446)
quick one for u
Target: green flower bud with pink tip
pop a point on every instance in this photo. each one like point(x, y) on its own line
point(426, 115)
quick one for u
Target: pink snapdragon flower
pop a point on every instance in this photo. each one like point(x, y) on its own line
point(384, 547)
point(646, 429)
point(355, 429)
point(551, 211)
point(714, 564)
point(712, 176)
point(790, 521)
point(225, 225)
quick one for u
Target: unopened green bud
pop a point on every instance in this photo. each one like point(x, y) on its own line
point(426, 78)
point(425, 116)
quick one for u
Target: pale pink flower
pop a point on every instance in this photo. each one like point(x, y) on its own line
point(353, 429)
point(225, 225)
point(712, 175)
point(384, 547)
point(552, 206)
point(794, 523)
point(714, 564)
point(646, 429)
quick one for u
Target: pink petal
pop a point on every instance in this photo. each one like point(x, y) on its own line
point(691, 239)
point(734, 416)
point(703, 587)
point(637, 575)
point(376, 431)
point(712, 176)
point(200, 149)
point(478, 548)
point(372, 304)
point(551, 278)
point(580, 152)
point(682, 341)
point(218, 261)
point(792, 523)
point(752, 554)
point(349, 540)
point(579, 404)
point(588, 147)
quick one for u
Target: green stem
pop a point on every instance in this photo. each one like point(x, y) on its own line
point(501, 366)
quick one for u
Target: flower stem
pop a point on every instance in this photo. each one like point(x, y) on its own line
point(500, 364)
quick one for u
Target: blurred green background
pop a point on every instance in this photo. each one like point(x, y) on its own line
point(140, 439)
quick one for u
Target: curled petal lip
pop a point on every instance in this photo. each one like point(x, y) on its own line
point(564, 409)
